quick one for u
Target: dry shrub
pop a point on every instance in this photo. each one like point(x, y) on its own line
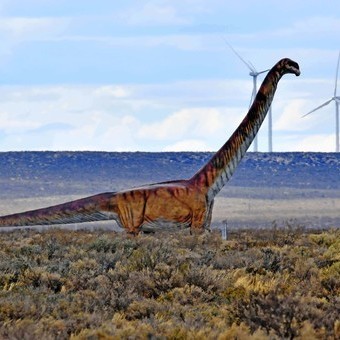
point(90, 285)
point(286, 315)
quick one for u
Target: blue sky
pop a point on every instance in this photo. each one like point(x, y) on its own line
point(157, 75)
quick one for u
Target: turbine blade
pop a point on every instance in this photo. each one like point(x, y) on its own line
point(263, 71)
point(252, 98)
point(319, 107)
point(254, 69)
point(239, 56)
point(336, 76)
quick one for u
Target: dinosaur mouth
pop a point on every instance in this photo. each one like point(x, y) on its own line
point(296, 71)
point(292, 67)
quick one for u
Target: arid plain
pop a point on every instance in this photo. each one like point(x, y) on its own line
point(277, 189)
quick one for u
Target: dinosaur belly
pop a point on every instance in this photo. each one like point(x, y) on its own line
point(162, 224)
point(165, 210)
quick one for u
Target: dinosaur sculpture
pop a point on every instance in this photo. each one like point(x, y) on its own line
point(173, 204)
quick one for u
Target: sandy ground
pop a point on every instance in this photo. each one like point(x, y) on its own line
point(321, 212)
point(308, 212)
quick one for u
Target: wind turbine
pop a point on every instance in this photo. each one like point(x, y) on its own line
point(337, 102)
point(253, 73)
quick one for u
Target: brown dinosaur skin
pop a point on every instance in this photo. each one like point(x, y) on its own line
point(174, 204)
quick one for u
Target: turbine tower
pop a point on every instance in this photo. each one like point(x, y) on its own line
point(253, 73)
point(337, 103)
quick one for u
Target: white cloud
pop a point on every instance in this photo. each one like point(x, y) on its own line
point(185, 42)
point(151, 13)
point(317, 143)
point(64, 118)
point(313, 142)
point(291, 117)
point(9, 124)
point(193, 122)
point(16, 30)
point(104, 118)
point(27, 29)
point(164, 12)
point(193, 115)
point(113, 91)
point(99, 132)
point(314, 26)
point(307, 31)
point(188, 145)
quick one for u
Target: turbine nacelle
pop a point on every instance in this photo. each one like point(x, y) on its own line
point(254, 73)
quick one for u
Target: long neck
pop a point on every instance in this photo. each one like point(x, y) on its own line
point(214, 175)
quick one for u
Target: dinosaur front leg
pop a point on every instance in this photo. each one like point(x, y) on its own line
point(209, 216)
point(201, 219)
point(198, 222)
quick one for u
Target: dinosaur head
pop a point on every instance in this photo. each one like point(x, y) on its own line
point(287, 65)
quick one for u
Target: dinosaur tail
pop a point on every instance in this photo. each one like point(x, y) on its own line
point(94, 208)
